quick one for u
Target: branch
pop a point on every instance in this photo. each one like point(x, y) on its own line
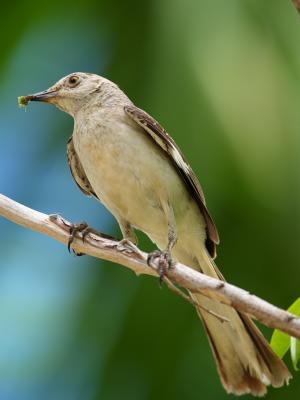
point(107, 248)
point(297, 5)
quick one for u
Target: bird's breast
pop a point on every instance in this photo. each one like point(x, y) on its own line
point(126, 170)
point(135, 179)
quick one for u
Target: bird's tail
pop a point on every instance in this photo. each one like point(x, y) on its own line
point(245, 360)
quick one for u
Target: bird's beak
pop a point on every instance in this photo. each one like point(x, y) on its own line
point(42, 96)
point(45, 96)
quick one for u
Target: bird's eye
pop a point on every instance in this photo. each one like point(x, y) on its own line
point(73, 80)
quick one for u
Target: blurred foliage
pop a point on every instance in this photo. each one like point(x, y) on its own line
point(295, 352)
point(224, 78)
point(281, 342)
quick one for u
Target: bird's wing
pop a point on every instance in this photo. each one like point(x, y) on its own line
point(78, 171)
point(164, 140)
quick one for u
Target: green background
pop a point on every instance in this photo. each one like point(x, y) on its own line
point(223, 77)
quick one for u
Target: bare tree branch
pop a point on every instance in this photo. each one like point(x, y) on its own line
point(101, 246)
point(297, 5)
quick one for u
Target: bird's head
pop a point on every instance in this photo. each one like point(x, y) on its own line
point(74, 91)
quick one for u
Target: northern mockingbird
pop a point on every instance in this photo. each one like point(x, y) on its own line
point(120, 155)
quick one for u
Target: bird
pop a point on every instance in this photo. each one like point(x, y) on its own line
point(124, 158)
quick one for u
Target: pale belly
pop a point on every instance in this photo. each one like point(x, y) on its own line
point(132, 177)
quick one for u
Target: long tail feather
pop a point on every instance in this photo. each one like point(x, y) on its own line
point(245, 360)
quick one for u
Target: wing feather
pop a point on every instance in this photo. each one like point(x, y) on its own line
point(78, 171)
point(165, 141)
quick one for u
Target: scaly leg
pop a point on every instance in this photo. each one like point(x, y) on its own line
point(129, 240)
point(164, 256)
point(127, 231)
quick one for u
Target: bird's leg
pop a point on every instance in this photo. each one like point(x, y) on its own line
point(129, 237)
point(164, 256)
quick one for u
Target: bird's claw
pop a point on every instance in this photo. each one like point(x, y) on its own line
point(164, 262)
point(84, 229)
point(127, 245)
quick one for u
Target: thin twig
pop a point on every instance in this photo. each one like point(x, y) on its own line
point(178, 291)
point(133, 258)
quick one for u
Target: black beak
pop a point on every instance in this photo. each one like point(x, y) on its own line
point(42, 96)
point(45, 96)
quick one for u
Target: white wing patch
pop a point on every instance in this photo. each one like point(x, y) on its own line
point(179, 160)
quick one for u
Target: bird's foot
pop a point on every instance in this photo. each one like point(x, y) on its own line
point(74, 229)
point(127, 245)
point(84, 229)
point(164, 262)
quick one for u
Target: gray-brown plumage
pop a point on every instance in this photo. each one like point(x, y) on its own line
point(77, 170)
point(121, 155)
point(164, 140)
